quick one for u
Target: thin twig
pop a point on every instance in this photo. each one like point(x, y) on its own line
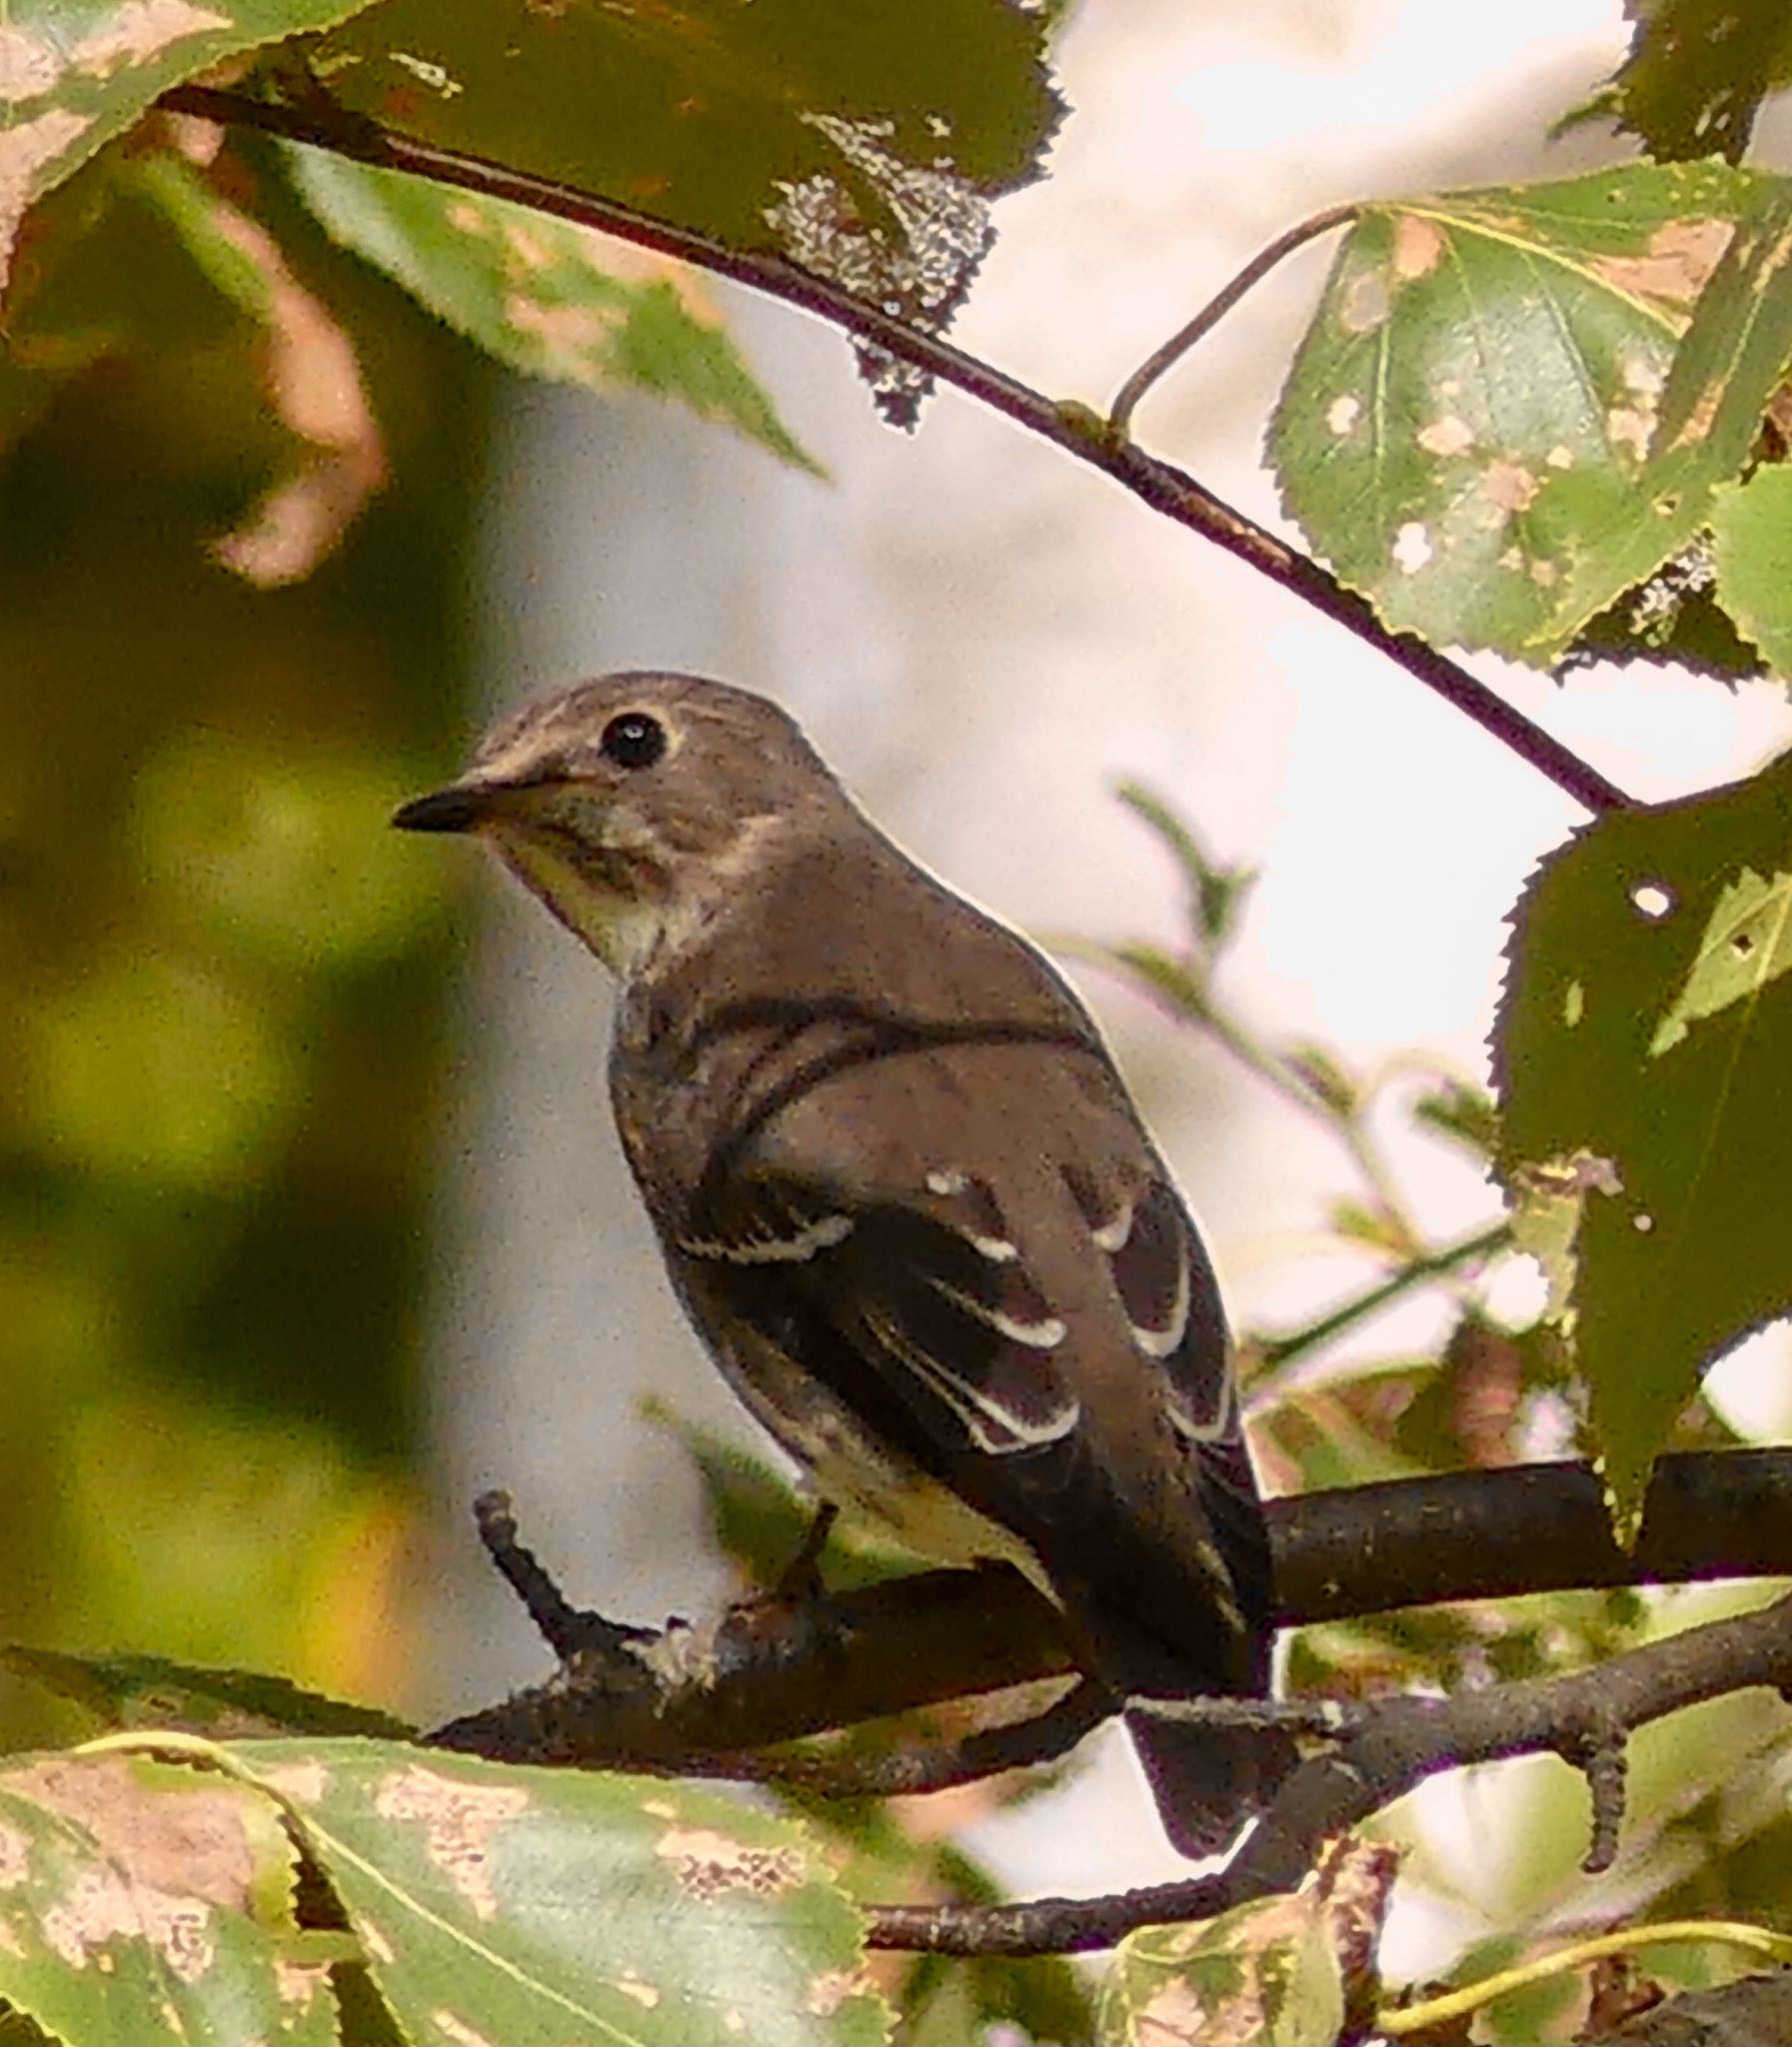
point(1436, 1265)
point(1165, 358)
point(1075, 428)
point(1607, 1771)
point(566, 1630)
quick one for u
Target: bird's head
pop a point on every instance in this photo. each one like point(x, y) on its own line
point(634, 805)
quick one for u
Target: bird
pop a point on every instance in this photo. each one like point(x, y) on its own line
point(904, 1195)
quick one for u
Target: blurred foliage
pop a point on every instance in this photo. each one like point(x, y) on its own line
point(221, 1024)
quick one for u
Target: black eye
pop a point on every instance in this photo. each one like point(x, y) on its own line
point(633, 739)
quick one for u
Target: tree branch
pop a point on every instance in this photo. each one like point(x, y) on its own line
point(700, 1701)
point(766, 1674)
point(1075, 428)
point(1395, 1747)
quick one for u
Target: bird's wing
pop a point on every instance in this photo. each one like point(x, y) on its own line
point(945, 1315)
point(1159, 1273)
point(1028, 1315)
point(967, 1313)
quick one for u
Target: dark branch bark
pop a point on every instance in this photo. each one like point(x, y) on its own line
point(916, 1766)
point(764, 1673)
point(1395, 1747)
point(1073, 428)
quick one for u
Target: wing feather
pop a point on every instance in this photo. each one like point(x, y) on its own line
point(1160, 1271)
point(950, 1314)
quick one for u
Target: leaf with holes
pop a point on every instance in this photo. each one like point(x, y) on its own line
point(545, 1908)
point(1746, 945)
point(1728, 365)
point(150, 1903)
point(1278, 1972)
point(1752, 534)
point(549, 298)
point(1493, 427)
point(1641, 1049)
point(865, 143)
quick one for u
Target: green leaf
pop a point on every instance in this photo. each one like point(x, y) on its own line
point(865, 143)
point(1729, 363)
point(1674, 620)
point(153, 1904)
point(1539, 2011)
point(151, 1691)
point(1642, 1047)
point(74, 73)
point(547, 297)
point(1747, 945)
point(1753, 533)
point(1261, 1975)
point(552, 1908)
point(1493, 428)
point(1697, 73)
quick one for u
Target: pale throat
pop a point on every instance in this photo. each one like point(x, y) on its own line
point(624, 928)
point(625, 900)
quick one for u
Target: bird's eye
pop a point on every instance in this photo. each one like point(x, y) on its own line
point(633, 739)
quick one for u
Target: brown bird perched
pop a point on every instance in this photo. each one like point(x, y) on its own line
point(902, 1193)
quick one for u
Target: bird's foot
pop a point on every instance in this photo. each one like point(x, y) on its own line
point(794, 1611)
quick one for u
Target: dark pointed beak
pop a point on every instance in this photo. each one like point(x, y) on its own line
point(458, 808)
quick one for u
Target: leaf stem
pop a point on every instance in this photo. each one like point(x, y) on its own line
point(1166, 357)
point(1457, 2005)
point(1280, 1351)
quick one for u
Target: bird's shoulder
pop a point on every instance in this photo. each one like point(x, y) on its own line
point(846, 998)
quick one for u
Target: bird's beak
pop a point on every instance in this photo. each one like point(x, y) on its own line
point(461, 807)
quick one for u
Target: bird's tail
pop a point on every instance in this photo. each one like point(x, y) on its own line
point(1207, 1780)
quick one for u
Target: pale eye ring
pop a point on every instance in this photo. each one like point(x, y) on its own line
point(634, 739)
